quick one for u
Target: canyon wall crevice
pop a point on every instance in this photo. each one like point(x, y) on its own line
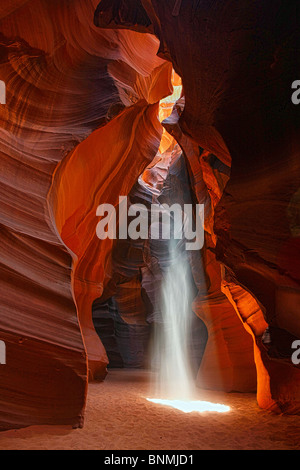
point(237, 64)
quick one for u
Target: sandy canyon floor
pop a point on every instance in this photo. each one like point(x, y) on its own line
point(118, 416)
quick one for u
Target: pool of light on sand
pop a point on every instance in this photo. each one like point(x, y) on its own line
point(190, 406)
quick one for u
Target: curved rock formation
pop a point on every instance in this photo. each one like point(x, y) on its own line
point(237, 64)
point(80, 125)
point(59, 91)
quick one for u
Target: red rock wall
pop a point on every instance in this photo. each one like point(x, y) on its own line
point(228, 362)
point(65, 79)
point(104, 166)
point(237, 63)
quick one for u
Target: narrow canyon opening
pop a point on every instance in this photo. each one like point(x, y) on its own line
point(128, 316)
point(117, 284)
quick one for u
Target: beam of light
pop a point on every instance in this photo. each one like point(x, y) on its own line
point(170, 349)
point(170, 345)
point(165, 110)
point(190, 406)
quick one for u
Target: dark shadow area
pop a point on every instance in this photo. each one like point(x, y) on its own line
point(129, 311)
point(128, 345)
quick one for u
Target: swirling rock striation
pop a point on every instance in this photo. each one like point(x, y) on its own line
point(60, 92)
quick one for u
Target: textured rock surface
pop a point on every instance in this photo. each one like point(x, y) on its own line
point(228, 360)
point(56, 64)
point(80, 125)
point(237, 64)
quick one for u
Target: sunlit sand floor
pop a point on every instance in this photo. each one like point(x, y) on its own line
point(118, 417)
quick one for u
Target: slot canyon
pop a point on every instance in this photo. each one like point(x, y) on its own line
point(166, 101)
